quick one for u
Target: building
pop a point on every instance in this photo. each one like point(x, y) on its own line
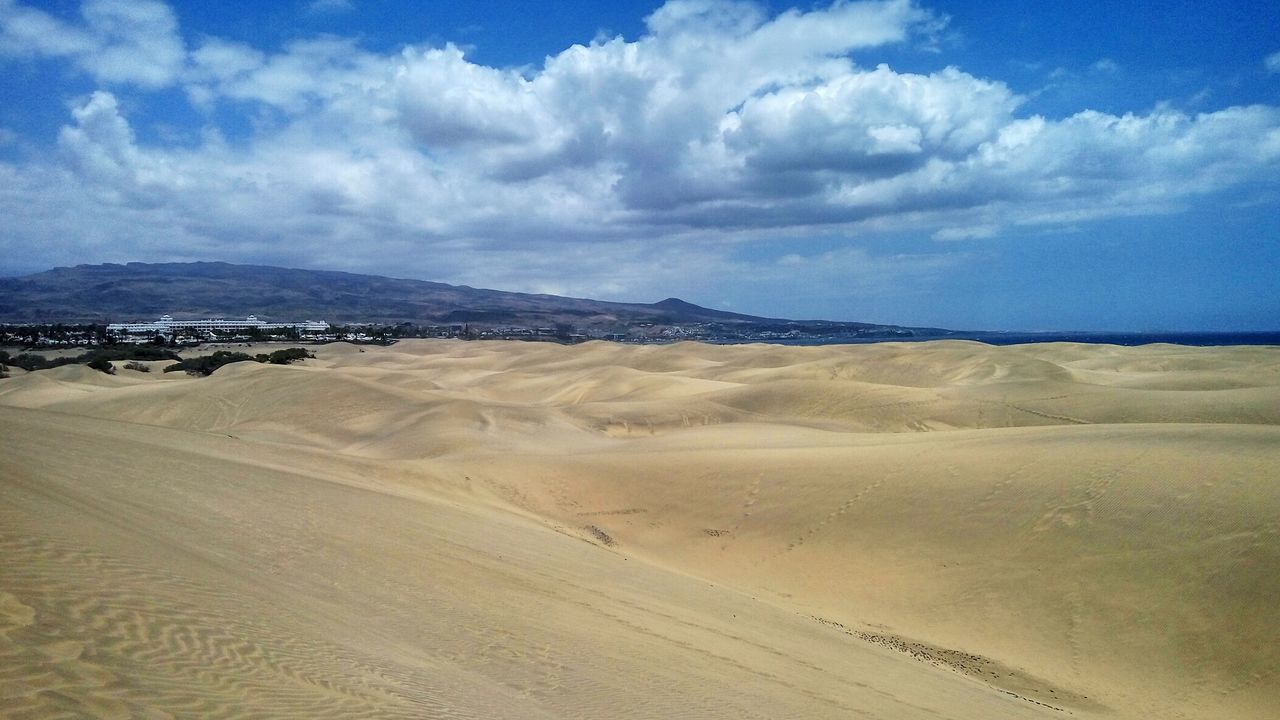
point(167, 326)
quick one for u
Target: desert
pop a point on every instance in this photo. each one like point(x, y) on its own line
point(450, 529)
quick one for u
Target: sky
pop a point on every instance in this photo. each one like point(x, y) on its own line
point(1083, 165)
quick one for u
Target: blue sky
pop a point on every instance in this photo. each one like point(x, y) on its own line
point(996, 165)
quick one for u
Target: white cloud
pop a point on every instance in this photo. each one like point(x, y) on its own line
point(120, 41)
point(446, 101)
point(138, 42)
point(330, 7)
point(309, 76)
point(971, 232)
point(27, 32)
point(218, 59)
point(612, 163)
point(1272, 62)
point(216, 64)
point(1105, 65)
point(845, 123)
point(100, 150)
point(100, 146)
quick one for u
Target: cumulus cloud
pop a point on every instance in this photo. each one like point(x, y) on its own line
point(446, 101)
point(1272, 62)
point(610, 163)
point(870, 122)
point(101, 152)
point(100, 146)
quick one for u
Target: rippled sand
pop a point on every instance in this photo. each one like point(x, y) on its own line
point(481, 530)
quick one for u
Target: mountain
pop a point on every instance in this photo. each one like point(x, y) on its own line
point(139, 291)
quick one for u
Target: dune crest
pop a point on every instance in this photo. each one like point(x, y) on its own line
point(448, 529)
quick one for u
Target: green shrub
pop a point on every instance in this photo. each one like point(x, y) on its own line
point(286, 356)
point(101, 359)
point(102, 364)
point(31, 361)
point(207, 364)
point(131, 352)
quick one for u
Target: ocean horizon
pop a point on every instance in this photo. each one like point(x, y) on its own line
point(1194, 339)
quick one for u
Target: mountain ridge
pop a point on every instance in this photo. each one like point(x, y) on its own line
point(115, 292)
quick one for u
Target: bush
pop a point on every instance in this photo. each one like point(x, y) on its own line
point(102, 364)
point(207, 364)
point(284, 357)
point(101, 359)
point(31, 361)
point(98, 359)
point(132, 352)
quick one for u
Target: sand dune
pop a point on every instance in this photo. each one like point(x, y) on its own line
point(477, 530)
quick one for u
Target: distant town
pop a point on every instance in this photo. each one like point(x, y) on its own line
point(166, 330)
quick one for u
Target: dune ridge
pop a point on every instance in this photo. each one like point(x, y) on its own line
point(447, 529)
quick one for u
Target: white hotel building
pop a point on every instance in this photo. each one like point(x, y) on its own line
point(166, 325)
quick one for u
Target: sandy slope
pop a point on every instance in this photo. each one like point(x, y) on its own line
point(442, 529)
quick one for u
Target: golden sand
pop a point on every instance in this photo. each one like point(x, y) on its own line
point(442, 529)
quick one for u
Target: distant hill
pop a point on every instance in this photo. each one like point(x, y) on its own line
point(111, 292)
